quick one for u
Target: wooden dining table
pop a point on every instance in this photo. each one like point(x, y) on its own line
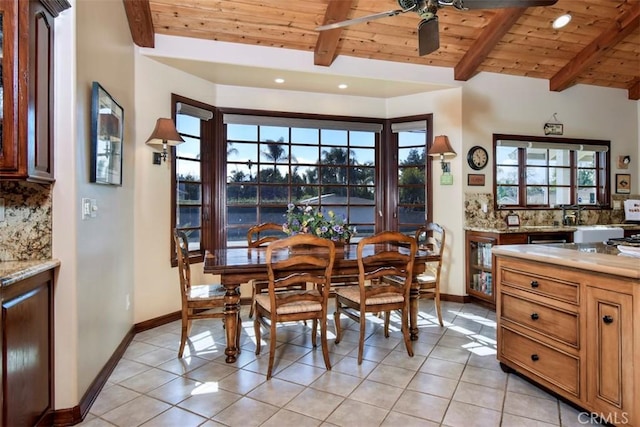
point(239, 265)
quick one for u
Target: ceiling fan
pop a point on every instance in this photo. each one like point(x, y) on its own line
point(428, 35)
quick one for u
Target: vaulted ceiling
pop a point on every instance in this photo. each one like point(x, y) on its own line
point(600, 46)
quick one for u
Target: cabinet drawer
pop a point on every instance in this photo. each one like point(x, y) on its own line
point(546, 320)
point(556, 368)
point(558, 289)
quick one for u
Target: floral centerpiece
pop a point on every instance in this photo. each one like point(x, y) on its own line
point(307, 219)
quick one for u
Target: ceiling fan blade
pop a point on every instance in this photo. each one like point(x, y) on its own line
point(362, 19)
point(496, 4)
point(428, 36)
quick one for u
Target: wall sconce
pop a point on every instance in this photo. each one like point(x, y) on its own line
point(442, 148)
point(164, 134)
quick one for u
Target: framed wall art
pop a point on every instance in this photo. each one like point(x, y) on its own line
point(513, 220)
point(623, 183)
point(475, 179)
point(107, 128)
point(623, 162)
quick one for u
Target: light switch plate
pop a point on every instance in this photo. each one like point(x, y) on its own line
point(86, 208)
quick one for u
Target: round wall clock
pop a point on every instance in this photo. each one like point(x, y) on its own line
point(477, 157)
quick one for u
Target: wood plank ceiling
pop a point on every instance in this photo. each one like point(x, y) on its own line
point(600, 46)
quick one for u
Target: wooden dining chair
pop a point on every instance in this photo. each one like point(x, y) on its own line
point(296, 260)
point(262, 235)
point(432, 237)
point(198, 301)
point(386, 254)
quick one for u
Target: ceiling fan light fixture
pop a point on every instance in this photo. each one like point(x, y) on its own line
point(561, 21)
point(428, 32)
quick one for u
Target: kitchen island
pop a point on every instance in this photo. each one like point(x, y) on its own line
point(568, 318)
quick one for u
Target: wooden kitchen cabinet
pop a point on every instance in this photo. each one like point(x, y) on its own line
point(610, 354)
point(479, 277)
point(26, 140)
point(479, 261)
point(11, 154)
point(27, 351)
point(539, 323)
point(571, 330)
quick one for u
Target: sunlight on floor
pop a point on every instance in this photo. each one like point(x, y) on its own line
point(205, 388)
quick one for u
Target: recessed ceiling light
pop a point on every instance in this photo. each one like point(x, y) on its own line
point(279, 80)
point(561, 21)
point(342, 86)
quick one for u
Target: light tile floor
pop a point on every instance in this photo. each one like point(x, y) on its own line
point(452, 380)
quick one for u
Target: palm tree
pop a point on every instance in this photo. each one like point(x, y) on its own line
point(335, 157)
point(230, 149)
point(275, 151)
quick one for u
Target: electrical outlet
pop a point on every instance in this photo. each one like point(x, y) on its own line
point(127, 302)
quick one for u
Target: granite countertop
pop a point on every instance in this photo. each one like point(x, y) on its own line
point(547, 228)
point(523, 229)
point(597, 257)
point(14, 271)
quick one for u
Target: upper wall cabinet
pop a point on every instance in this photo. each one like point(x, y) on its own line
point(26, 91)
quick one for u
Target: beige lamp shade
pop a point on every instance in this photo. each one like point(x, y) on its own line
point(441, 147)
point(165, 133)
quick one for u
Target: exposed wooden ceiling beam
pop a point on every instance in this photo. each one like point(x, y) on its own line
point(486, 41)
point(327, 44)
point(625, 25)
point(634, 90)
point(140, 22)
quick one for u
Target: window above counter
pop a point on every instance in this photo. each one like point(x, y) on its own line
point(533, 172)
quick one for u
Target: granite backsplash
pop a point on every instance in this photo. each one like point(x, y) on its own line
point(474, 216)
point(25, 233)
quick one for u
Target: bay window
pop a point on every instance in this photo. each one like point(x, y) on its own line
point(239, 168)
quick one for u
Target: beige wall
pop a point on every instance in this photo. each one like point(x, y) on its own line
point(64, 214)
point(157, 292)
point(97, 258)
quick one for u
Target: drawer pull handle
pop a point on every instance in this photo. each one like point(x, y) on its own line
point(607, 319)
point(534, 316)
point(534, 284)
point(535, 357)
